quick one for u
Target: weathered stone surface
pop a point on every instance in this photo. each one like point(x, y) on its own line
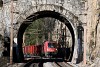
point(85, 11)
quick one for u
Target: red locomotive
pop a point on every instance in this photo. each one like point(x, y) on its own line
point(48, 48)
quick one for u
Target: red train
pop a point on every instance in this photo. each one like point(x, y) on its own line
point(48, 48)
point(32, 50)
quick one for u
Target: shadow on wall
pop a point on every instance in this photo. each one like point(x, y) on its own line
point(80, 40)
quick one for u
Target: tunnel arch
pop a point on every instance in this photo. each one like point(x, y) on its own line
point(38, 15)
point(34, 12)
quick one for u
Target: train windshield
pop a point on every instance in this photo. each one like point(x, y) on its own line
point(52, 45)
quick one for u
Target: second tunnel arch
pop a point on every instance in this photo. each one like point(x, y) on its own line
point(60, 15)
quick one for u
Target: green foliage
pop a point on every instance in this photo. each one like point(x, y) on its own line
point(38, 30)
point(34, 32)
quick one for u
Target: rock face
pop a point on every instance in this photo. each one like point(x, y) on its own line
point(96, 51)
point(22, 6)
point(84, 11)
point(94, 29)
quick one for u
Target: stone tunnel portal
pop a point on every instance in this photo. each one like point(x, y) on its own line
point(38, 15)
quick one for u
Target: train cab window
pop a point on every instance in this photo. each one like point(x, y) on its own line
point(52, 45)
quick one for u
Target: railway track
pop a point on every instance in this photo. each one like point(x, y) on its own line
point(31, 64)
point(63, 64)
point(50, 64)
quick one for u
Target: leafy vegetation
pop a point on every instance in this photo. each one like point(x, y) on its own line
point(37, 32)
point(33, 32)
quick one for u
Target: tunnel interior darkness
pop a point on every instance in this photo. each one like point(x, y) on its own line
point(36, 16)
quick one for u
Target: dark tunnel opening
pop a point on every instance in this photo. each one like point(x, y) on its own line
point(36, 16)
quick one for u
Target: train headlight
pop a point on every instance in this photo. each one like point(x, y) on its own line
point(56, 49)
